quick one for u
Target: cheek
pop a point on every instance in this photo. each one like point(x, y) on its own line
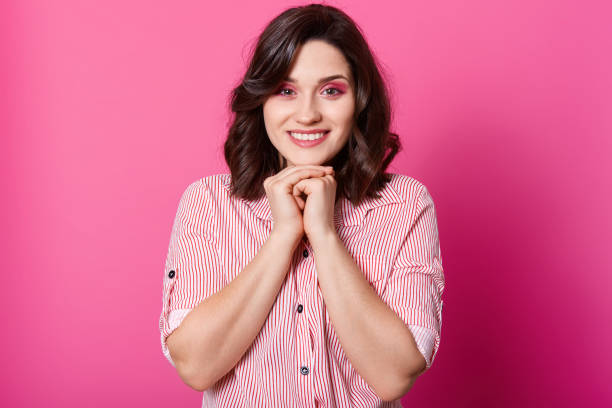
point(270, 122)
point(342, 113)
point(274, 112)
point(268, 113)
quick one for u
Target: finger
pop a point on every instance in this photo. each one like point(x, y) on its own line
point(293, 173)
point(300, 168)
point(289, 170)
point(301, 188)
point(300, 199)
point(300, 202)
point(293, 167)
point(295, 177)
point(330, 177)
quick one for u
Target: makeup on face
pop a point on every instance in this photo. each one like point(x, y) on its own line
point(337, 86)
point(309, 116)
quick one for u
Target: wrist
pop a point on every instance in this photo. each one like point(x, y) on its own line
point(285, 236)
point(321, 238)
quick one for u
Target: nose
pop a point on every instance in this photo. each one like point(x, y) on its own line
point(307, 111)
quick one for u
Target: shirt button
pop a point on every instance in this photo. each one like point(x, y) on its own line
point(304, 370)
point(305, 253)
point(171, 274)
point(300, 308)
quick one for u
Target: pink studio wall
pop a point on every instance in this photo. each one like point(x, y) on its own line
point(110, 109)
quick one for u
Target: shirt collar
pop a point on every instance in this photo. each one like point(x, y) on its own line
point(345, 213)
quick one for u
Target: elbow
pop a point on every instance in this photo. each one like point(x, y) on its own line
point(192, 376)
point(402, 384)
point(198, 385)
point(396, 391)
point(404, 388)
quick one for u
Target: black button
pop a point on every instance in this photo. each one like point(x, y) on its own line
point(304, 370)
point(300, 308)
point(305, 253)
point(171, 274)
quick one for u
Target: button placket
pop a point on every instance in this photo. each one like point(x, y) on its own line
point(307, 249)
point(304, 339)
point(304, 261)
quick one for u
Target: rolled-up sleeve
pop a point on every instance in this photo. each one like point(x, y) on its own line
point(415, 286)
point(193, 270)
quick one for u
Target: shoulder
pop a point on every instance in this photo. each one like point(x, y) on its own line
point(216, 185)
point(205, 193)
point(408, 189)
point(202, 200)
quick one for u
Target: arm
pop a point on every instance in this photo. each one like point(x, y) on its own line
point(214, 336)
point(365, 325)
point(222, 320)
point(375, 332)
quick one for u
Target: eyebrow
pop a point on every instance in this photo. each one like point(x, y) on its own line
point(329, 78)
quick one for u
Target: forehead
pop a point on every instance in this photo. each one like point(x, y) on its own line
point(317, 59)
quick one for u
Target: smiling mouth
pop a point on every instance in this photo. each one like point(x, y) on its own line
point(308, 136)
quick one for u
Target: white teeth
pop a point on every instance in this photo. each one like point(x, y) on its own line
point(304, 136)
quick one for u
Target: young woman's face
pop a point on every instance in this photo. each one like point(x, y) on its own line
point(310, 117)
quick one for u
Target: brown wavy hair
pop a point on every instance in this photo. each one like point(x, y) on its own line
point(360, 165)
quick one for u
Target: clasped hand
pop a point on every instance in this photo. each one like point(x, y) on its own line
point(302, 200)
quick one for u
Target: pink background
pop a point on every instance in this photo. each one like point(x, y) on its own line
point(110, 109)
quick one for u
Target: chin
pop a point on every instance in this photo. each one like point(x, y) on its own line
point(313, 160)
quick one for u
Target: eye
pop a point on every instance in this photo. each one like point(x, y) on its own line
point(332, 91)
point(285, 91)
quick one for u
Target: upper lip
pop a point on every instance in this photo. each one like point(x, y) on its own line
point(308, 132)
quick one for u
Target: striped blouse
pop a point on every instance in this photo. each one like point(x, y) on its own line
point(296, 360)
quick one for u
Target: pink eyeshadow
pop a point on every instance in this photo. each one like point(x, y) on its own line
point(338, 85)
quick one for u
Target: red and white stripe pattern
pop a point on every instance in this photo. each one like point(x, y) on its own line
point(296, 360)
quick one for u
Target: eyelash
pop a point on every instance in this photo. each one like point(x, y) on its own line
point(338, 91)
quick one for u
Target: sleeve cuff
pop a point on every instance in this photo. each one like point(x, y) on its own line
point(427, 341)
point(175, 317)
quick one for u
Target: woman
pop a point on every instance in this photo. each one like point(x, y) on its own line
point(307, 276)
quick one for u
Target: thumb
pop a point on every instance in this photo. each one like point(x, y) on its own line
point(300, 202)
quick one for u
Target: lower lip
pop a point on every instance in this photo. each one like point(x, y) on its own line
point(308, 143)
